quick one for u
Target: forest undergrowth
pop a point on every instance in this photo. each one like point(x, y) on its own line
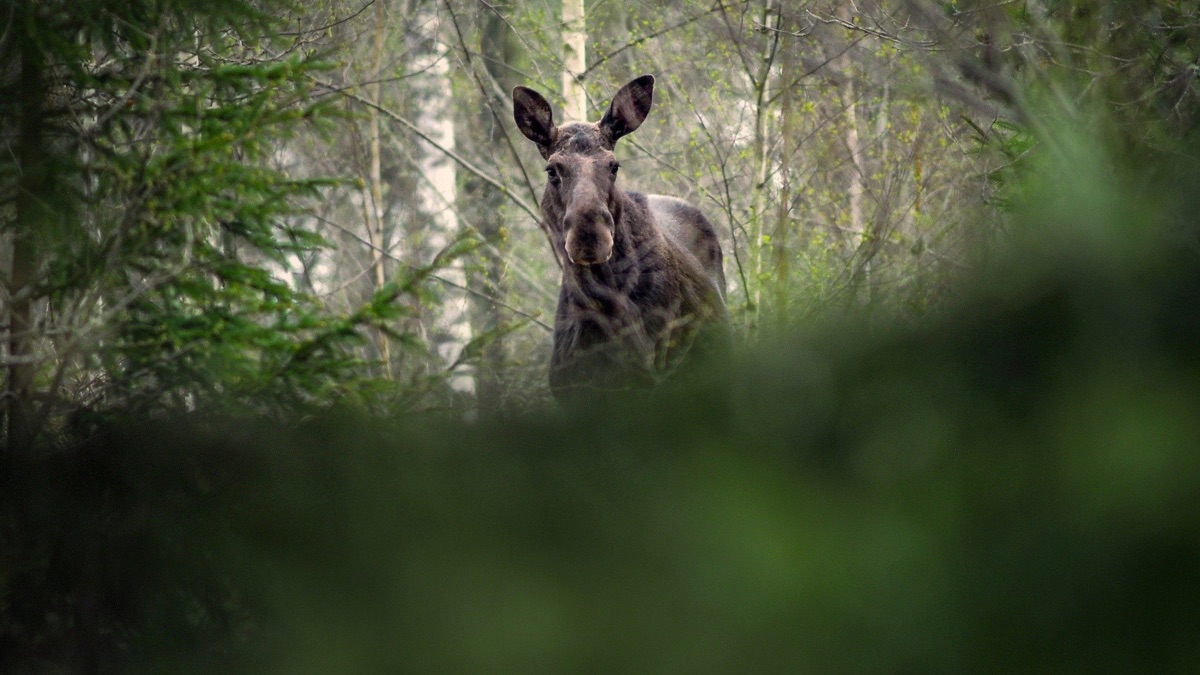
point(960, 431)
point(1008, 486)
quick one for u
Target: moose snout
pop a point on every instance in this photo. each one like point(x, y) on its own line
point(589, 237)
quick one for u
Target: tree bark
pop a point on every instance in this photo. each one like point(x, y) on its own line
point(31, 214)
point(761, 157)
point(375, 229)
point(574, 38)
point(855, 174)
point(854, 188)
point(780, 238)
point(496, 40)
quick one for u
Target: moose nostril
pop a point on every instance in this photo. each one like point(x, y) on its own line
point(589, 260)
point(589, 236)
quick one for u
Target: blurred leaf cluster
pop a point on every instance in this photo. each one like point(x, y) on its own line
point(1008, 488)
point(1008, 484)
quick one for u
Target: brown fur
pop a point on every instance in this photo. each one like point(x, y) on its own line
point(643, 283)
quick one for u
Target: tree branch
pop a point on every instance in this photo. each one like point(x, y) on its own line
point(458, 159)
point(649, 36)
point(387, 254)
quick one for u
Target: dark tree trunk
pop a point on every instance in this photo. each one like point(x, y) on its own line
point(496, 40)
point(31, 214)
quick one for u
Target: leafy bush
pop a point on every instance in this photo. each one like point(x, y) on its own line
point(1011, 487)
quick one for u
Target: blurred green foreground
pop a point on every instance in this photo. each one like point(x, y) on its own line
point(1011, 487)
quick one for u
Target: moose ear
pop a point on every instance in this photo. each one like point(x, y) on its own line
point(629, 108)
point(534, 118)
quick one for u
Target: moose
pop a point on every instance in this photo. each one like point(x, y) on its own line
point(643, 284)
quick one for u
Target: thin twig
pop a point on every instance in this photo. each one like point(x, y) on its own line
point(454, 284)
point(458, 159)
point(470, 67)
point(717, 7)
point(327, 26)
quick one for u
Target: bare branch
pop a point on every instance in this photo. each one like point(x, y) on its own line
point(327, 26)
point(354, 235)
point(717, 7)
point(458, 159)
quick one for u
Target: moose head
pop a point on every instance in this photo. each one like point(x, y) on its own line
point(582, 202)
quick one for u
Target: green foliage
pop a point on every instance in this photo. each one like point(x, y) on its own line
point(1010, 486)
point(206, 203)
point(1007, 484)
point(169, 236)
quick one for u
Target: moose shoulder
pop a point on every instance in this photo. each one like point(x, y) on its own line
point(643, 285)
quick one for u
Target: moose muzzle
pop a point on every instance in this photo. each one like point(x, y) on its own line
point(589, 238)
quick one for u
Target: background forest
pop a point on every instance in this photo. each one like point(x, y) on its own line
point(276, 306)
point(273, 205)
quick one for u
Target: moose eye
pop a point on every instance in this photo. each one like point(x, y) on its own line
point(614, 168)
point(552, 173)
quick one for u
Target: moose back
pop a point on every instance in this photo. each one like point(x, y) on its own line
point(643, 283)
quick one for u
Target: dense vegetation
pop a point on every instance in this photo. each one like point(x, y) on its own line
point(274, 343)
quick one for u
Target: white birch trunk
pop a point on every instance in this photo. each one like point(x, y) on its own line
point(854, 148)
point(780, 240)
point(437, 196)
point(762, 163)
point(854, 188)
point(375, 233)
point(574, 38)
